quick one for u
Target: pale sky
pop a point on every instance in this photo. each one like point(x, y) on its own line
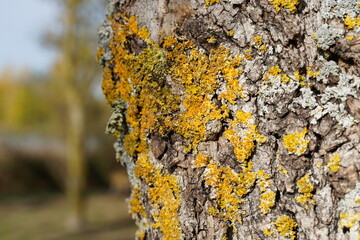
point(22, 25)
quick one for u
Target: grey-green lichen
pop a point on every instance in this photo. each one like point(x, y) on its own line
point(327, 35)
point(329, 67)
point(339, 8)
point(349, 212)
point(117, 124)
point(331, 101)
point(105, 34)
point(271, 91)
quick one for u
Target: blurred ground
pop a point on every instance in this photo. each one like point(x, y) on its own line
point(41, 217)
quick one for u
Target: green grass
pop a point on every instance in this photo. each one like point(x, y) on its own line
point(43, 217)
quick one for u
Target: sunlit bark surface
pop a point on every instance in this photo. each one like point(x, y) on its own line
point(236, 119)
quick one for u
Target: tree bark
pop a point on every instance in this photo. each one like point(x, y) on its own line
point(236, 119)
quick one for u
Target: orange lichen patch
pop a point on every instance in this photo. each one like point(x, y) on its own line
point(310, 73)
point(267, 201)
point(109, 86)
point(268, 232)
point(100, 53)
point(258, 40)
point(248, 54)
point(144, 79)
point(243, 134)
point(212, 39)
point(267, 198)
point(286, 226)
point(298, 77)
point(164, 196)
point(282, 169)
point(140, 234)
point(201, 160)
point(231, 33)
point(230, 188)
point(275, 72)
point(305, 188)
point(199, 74)
point(351, 22)
point(210, 2)
point(295, 143)
point(348, 220)
point(264, 180)
point(213, 211)
point(289, 4)
point(135, 203)
point(262, 48)
point(259, 44)
point(137, 80)
point(334, 161)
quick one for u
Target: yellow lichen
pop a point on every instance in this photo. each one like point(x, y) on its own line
point(135, 203)
point(282, 169)
point(140, 234)
point(295, 143)
point(267, 198)
point(286, 226)
point(144, 74)
point(348, 220)
point(210, 2)
point(199, 74)
point(305, 188)
point(243, 135)
point(100, 53)
point(259, 44)
point(319, 165)
point(274, 71)
point(268, 232)
point(212, 39)
point(267, 201)
point(164, 196)
point(351, 22)
point(144, 80)
point(310, 73)
point(201, 160)
point(289, 4)
point(248, 54)
point(258, 40)
point(334, 161)
point(264, 180)
point(213, 211)
point(231, 33)
point(137, 80)
point(230, 188)
point(351, 37)
point(313, 36)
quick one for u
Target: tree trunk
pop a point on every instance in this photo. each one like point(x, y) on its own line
point(236, 119)
point(75, 134)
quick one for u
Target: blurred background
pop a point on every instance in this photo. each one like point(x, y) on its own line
point(58, 175)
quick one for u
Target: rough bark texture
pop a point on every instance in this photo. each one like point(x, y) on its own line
point(258, 142)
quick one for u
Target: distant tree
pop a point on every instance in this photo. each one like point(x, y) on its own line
point(237, 119)
point(74, 74)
